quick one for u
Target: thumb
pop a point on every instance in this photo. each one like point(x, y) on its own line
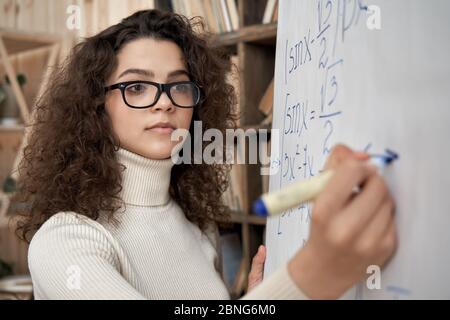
point(258, 263)
point(260, 257)
point(341, 153)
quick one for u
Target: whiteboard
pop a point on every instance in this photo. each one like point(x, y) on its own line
point(339, 81)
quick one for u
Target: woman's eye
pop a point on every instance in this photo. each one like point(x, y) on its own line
point(182, 87)
point(136, 88)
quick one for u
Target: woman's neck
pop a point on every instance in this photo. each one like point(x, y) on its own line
point(145, 182)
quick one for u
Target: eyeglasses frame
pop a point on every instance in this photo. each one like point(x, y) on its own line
point(162, 87)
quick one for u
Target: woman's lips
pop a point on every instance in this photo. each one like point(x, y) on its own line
point(161, 127)
point(162, 130)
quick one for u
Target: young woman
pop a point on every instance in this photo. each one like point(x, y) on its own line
point(112, 217)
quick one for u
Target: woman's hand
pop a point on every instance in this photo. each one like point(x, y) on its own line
point(349, 231)
point(256, 273)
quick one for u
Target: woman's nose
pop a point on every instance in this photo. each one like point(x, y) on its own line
point(164, 104)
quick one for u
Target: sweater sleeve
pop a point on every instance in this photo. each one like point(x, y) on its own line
point(72, 259)
point(213, 235)
point(278, 286)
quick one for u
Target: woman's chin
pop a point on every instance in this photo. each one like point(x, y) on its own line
point(155, 153)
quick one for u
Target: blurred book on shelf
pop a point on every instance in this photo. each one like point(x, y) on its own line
point(266, 104)
point(220, 15)
point(265, 177)
point(271, 12)
point(233, 196)
point(233, 78)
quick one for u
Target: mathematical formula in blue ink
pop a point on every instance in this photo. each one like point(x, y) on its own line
point(315, 48)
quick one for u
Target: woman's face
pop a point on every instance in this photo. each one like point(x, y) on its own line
point(145, 131)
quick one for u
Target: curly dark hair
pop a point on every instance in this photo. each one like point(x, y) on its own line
point(69, 163)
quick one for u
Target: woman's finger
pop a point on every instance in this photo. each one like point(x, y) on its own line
point(370, 237)
point(364, 206)
point(388, 244)
point(340, 188)
point(258, 260)
point(257, 268)
point(338, 154)
point(341, 153)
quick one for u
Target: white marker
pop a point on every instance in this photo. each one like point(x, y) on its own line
point(303, 191)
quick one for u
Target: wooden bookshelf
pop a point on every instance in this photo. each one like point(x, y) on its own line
point(257, 127)
point(14, 45)
point(255, 44)
point(249, 219)
point(240, 217)
point(264, 34)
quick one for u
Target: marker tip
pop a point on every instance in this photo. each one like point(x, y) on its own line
point(260, 208)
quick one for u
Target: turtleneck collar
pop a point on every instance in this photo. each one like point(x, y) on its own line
point(145, 182)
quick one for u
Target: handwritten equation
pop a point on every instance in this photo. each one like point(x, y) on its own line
point(313, 113)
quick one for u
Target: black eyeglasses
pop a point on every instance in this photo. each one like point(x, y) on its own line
point(145, 94)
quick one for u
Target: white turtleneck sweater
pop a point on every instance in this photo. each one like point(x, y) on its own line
point(149, 251)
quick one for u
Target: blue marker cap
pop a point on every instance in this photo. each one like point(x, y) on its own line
point(260, 208)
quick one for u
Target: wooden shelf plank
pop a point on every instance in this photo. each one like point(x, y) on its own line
point(240, 217)
point(14, 127)
point(257, 127)
point(14, 46)
point(259, 33)
point(17, 90)
point(19, 41)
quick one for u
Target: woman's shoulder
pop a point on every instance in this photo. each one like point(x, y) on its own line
point(71, 231)
point(71, 222)
point(66, 217)
point(71, 249)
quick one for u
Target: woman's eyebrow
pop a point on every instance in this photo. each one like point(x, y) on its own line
point(150, 74)
point(141, 72)
point(178, 73)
